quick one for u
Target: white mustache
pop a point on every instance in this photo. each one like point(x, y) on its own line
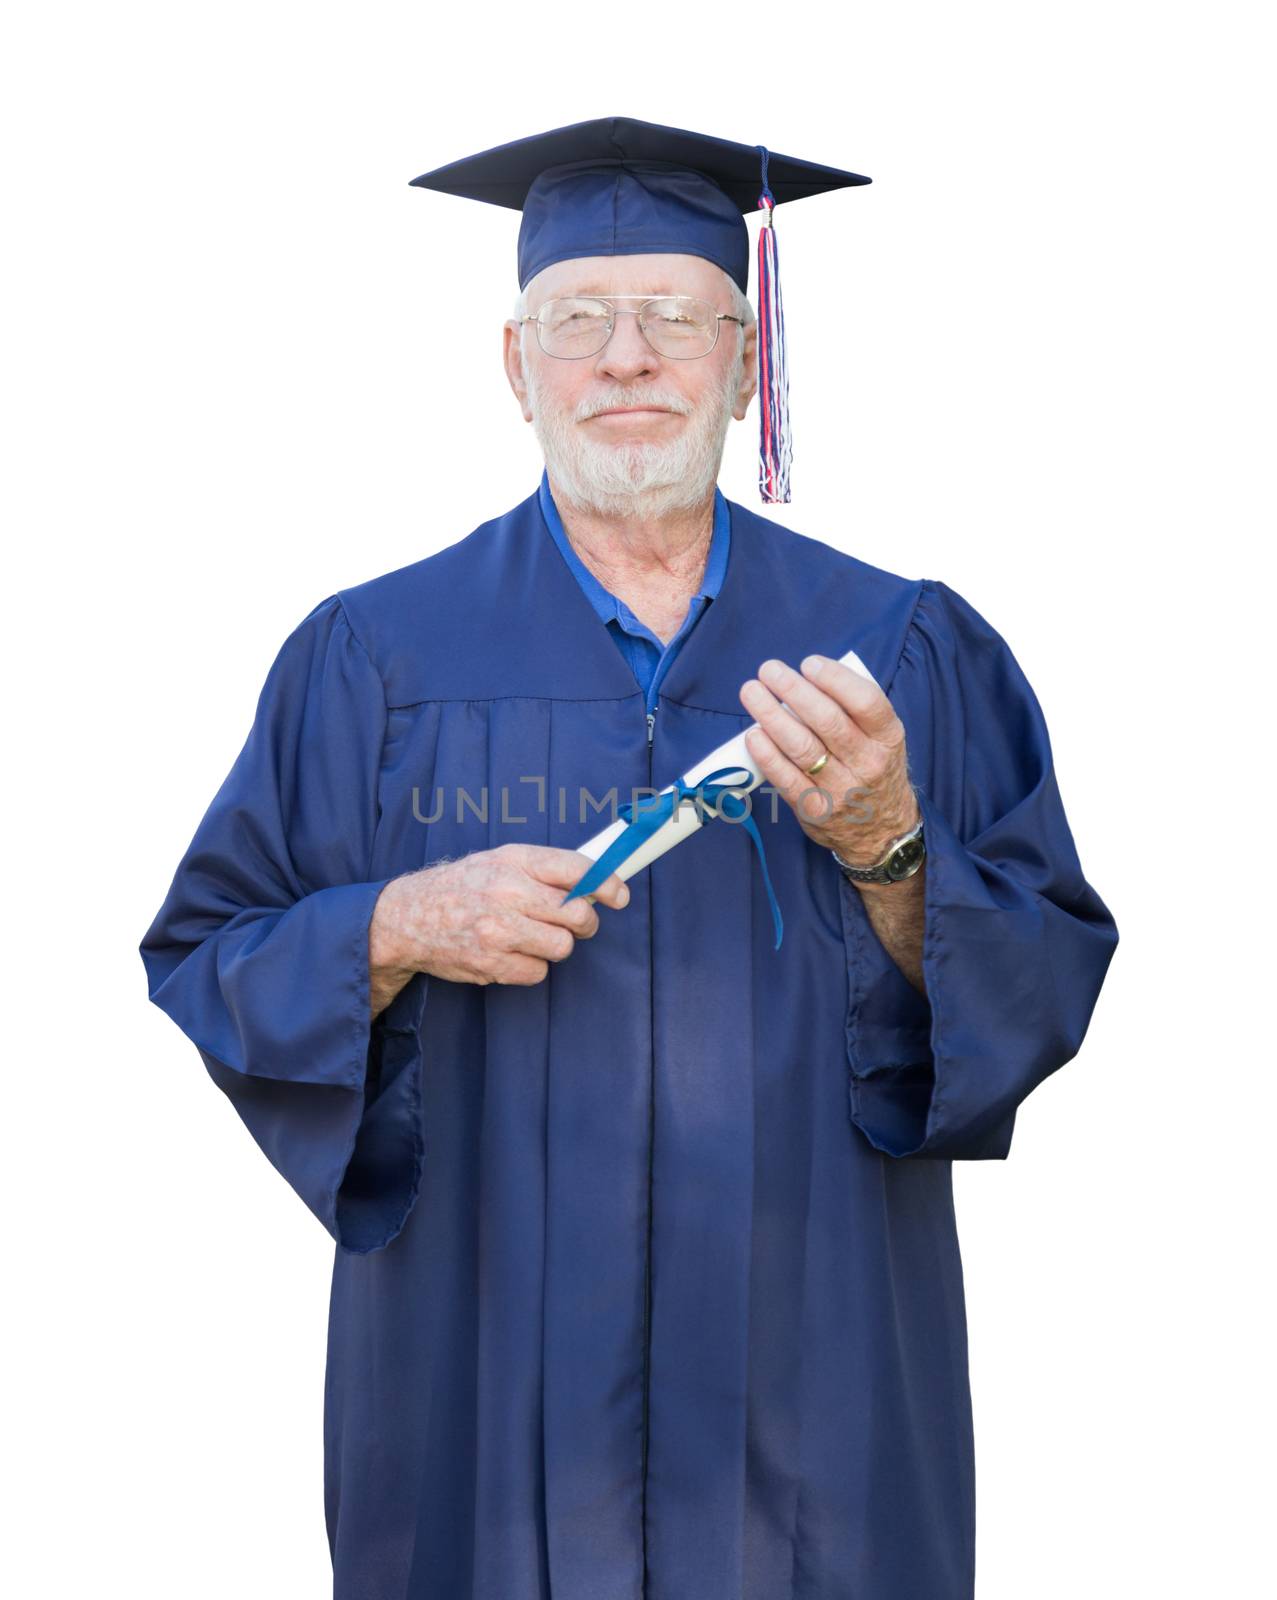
point(626, 402)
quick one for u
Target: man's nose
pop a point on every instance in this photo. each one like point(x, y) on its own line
point(627, 354)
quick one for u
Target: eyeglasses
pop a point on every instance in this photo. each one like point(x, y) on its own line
point(677, 325)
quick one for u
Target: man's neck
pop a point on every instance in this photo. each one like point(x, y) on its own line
point(654, 564)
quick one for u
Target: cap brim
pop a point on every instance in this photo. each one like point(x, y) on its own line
point(503, 175)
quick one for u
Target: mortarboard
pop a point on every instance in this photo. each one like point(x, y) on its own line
point(618, 187)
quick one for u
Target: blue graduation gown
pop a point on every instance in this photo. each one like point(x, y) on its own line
point(647, 1280)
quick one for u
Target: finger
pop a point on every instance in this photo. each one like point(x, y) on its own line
point(519, 969)
point(828, 718)
point(531, 937)
point(613, 891)
point(803, 792)
point(564, 868)
point(792, 733)
point(859, 696)
point(546, 904)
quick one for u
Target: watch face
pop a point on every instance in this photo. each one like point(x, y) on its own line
point(907, 859)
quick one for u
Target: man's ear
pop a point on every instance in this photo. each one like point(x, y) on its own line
point(512, 356)
point(748, 387)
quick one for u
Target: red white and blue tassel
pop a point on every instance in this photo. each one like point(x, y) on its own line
point(775, 446)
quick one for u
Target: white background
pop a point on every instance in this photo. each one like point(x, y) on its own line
point(245, 365)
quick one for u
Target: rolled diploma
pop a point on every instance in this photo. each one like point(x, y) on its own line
point(689, 816)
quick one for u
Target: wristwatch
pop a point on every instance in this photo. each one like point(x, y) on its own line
point(905, 855)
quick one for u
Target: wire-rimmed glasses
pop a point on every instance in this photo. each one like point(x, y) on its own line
point(679, 326)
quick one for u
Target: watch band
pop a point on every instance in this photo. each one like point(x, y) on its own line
point(901, 861)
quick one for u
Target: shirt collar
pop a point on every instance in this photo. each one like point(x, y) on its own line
point(602, 599)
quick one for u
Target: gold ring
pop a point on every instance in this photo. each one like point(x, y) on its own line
point(812, 771)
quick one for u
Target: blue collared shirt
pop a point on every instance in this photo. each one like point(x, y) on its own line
point(649, 659)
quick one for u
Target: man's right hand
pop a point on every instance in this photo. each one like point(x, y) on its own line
point(490, 917)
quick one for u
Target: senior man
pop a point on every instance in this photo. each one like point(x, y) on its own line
point(647, 1281)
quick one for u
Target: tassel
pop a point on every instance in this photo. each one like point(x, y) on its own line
point(775, 446)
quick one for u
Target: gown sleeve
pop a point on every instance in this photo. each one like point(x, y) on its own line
point(1016, 942)
point(260, 950)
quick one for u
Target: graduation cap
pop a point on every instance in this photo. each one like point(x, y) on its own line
point(619, 187)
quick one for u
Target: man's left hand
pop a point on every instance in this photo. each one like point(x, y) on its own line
point(862, 799)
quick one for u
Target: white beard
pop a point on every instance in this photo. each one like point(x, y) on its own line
point(635, 477)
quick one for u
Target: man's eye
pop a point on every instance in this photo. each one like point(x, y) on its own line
point(577, 319)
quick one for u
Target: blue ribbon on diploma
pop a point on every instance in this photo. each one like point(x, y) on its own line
point(647, 816)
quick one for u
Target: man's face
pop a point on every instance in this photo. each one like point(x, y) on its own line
point(629, 432)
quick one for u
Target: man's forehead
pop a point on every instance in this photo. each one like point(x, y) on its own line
point(647, 274)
